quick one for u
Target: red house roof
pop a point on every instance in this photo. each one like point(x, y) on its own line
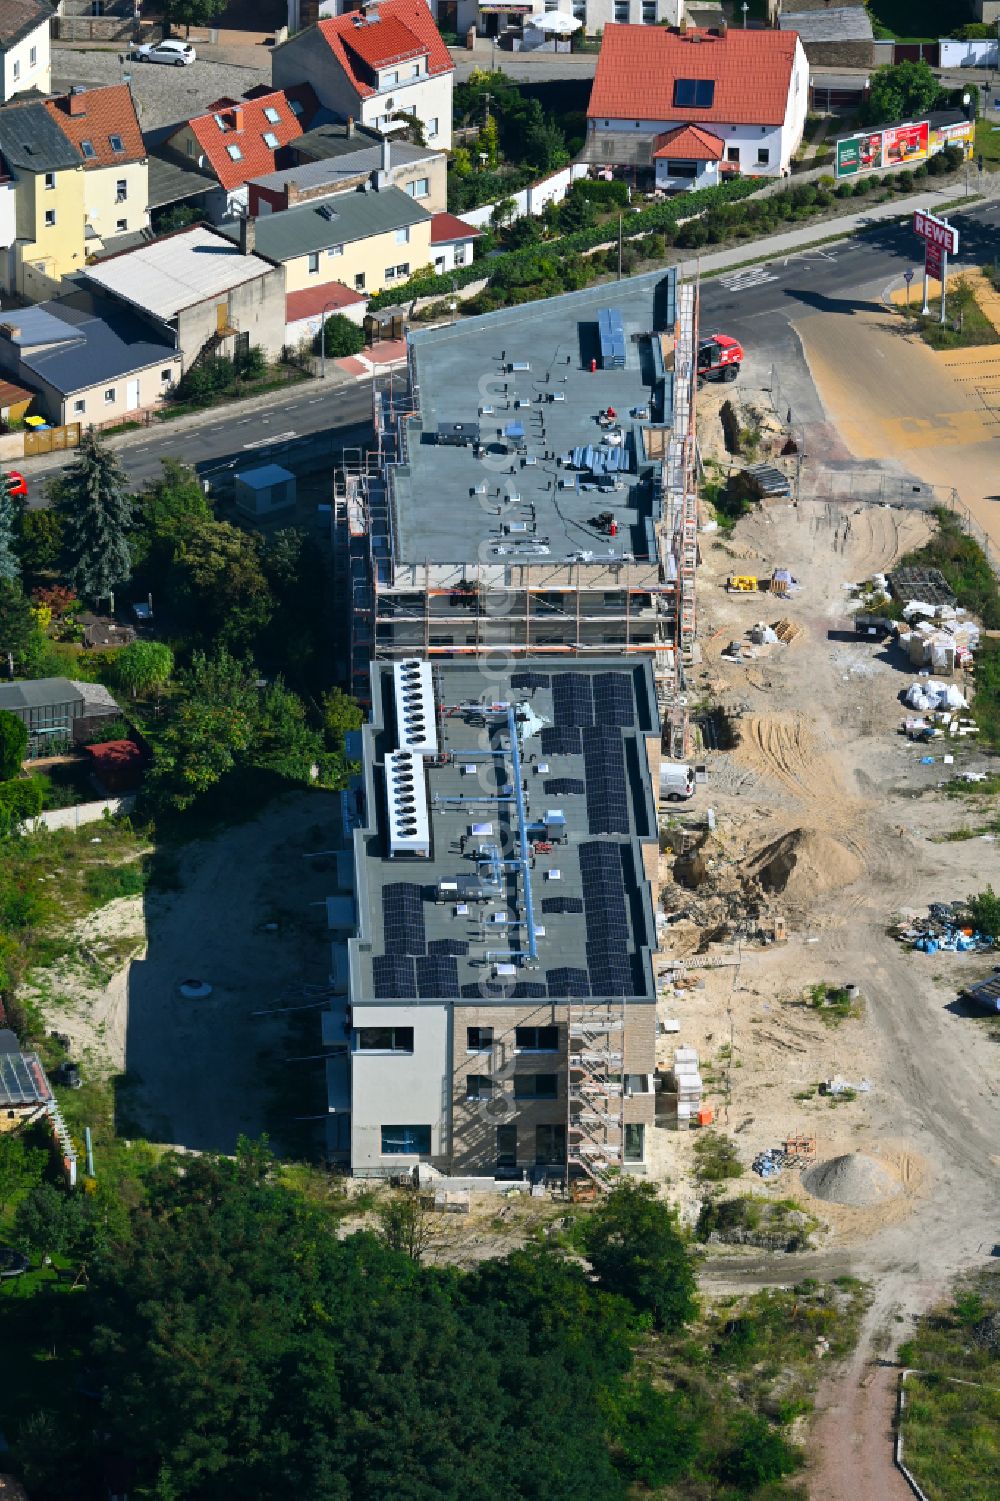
point(404, 29)
point(96, 116)
point(689, 143)
point(447, 228)
point(639, 66)
point(244, 125)
point(331, 297)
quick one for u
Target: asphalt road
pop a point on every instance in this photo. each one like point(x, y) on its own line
point(756, 304)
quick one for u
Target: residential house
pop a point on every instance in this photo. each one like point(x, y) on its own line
point(833, 36)
point(103, 127)
point(367, 240)
point(452, 242)
point(47, 174)
point(339, 156)
point(376, 66)
point(25, 31)
point(658, 94)
point(212, 295)
point(307, 311)
point(89, 359)
point(238, 139)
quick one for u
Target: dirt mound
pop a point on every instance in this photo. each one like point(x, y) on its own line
point(803, 864)
point(852, 1179)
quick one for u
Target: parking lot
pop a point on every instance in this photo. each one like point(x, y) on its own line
point(165, 96)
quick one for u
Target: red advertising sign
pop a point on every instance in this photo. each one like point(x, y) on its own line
point(933, 260)
point(905, 143)
point(935, 231)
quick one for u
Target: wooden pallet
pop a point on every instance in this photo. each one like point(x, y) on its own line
point(787, 631)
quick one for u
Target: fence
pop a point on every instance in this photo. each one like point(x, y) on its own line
point(982, 54)
point(51, 439)
point(532, 199)
point(83, 813)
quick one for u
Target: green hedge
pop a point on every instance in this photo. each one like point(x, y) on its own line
point(19, 799)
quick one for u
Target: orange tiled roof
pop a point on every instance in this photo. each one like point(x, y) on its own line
point(90, 118)
point(689, 143)
point(405, 28)
point(244, 126)
point(638, 66)
point(446, 228)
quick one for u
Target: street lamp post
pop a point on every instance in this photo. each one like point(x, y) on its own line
point(745, 7)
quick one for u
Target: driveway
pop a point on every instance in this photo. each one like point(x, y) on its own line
point(164, 96)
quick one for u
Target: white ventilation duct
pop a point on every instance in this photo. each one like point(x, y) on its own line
point(416, 725)
point(406, 801)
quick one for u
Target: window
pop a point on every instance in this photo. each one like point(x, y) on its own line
point(109, 395)
point(397, 273)
point(121, 225)
point(694, 93)
point(403, 235)
point(166, 376)
point(551, 5)
point(478, 1039)
point(270, 140)
point(121, 190)
point(17, 70)
point(411, 1140)
point(621, 12)
point(87, 147)
point(220, 122)
point(80, 406)
point(507, 1146)
point(313, 262)
point(234, 152)
point(335, 250)
point(638, 1084)
point(415, 71)
point(50, 218)
point(117, 144)
point(50, 180)
point(432, 127)
point(732, 154)
point(649, 12)
point(359, 282)
point(390, 80)
point(550, 1146)
point(384, 1040)
point(271, 115)
point(32, 57)
point(635, 1143)
point(763, 156)
point(536, 1086)
point(580, 9)
point(459, 255)
point(478, 1087)
point(536, 1039)
point(419, 188)
point(682, 169)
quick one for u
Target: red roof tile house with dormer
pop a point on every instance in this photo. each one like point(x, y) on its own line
point(695, 105)
point(373, 66)
point(237, 139)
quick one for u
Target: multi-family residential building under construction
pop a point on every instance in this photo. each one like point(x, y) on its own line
point(522, 551)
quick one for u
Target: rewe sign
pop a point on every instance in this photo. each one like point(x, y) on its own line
point(936, 232)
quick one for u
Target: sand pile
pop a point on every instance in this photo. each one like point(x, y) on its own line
point(852, 1179)
point(804, 863)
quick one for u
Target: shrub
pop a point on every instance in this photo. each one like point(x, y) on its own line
point(599, 191)
point(341, 337)
point(903, 182)
point(692, 235)
point(19, 799)
point(863, 185)
point(759, 1456)
point(845, 189)
point(803, 195)
point(13, 744)
point(717, 1158)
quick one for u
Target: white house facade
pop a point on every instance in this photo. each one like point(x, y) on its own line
point(25, 27)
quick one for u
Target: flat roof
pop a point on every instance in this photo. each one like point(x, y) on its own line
point(589, 808)
point(177, 272)
point(532, 365)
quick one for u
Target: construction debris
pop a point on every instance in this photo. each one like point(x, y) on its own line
point(946, 927)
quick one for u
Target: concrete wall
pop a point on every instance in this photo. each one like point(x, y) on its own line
point(100, 196)
point(532, 199)
point(369, 258)
point(400, 1089)
point(987, 10)
point(256, 308)
point(20, 72)
point(83, 813)
point(969, 54)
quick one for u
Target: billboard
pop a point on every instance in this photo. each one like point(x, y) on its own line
point(961, 133)
point(860, 153)
point(905, 143)
point(933, 260)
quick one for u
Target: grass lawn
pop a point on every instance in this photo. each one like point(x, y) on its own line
point(988, 143)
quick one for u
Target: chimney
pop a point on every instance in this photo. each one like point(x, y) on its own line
point(350, 127)
point(722, 28)
point(293, 194)
point(248, 235)
point(237, 117)
point(77, 101)
point(385, 155)
point(10, 330)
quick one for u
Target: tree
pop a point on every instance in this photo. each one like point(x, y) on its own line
point(545, 146)
point(636, 1251)
point(20, 637)
point(984, 911)
point(13, 744)
point(283, 742)
point(142, 666)
point(21, 1166)
point(217, 585)
point(488, 141)
point(10, 567)
point(340, 336)
point(901, 91)
point(188, 13)
point(39, 540)
point(97, 512)
point(405, 1224)
point(760, 1455)
point(48, 1221)
point(209, 731)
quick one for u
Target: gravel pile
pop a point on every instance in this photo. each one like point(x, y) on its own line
point(853, 1179)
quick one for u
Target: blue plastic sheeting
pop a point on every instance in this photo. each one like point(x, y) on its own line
point(611, 333)
point(514, 430)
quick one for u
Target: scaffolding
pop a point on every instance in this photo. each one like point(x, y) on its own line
point(595, 1126)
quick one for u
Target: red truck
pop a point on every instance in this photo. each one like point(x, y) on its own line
point(719, 357)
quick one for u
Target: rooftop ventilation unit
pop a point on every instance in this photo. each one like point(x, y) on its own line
point(327, 211)
point(406, 802)
point(416, 725)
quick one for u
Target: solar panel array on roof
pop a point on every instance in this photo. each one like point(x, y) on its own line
point(496, 990)
point(561, 786)
point(613, 699)
point(453, 946)
point(437, 977)
point(529, 680)
point(556, 904)
point(403, 918)
point(609, 964)
point(572, 699)
point(611, 333)
point(567, 981)
point(607, 791)
point(561, 740)
point(392, 978)
point(610, 972)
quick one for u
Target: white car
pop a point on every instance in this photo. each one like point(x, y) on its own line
point(175, 54)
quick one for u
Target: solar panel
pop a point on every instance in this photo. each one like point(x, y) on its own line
point(561, 740)
point(392, 978)
point(437, 977)
point(529, 680)
point(567, 981)
point(560, 786)
point(490, 990)
point(613, 701)
point(607, 791)
point(528, 990)
point(572, 699)
point(403, 918)
point(604, 896)
point(453, 946)
point(562, 904)
point(611, 974)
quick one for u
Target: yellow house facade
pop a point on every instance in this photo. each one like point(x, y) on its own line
point(51, 218)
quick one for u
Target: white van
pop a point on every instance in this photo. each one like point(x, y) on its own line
point(677, 782)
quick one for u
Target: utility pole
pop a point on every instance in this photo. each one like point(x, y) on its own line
point(620, 221)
